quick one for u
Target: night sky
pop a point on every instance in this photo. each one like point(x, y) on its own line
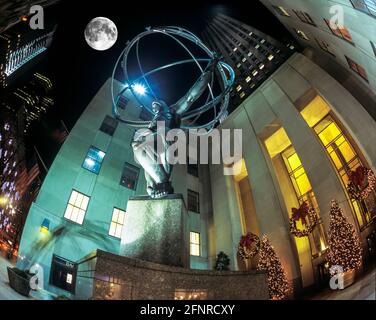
point(78, 71)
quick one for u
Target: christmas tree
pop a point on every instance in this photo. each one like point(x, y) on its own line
point(344, 244)
point(223, 262)
point(278, 285)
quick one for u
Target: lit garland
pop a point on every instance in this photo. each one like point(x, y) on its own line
point(344, 244)
point(249, 246)
point(362, 183)
point(279, 287)
point(303, 212)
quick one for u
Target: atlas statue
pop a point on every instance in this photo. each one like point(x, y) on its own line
point(184, 114)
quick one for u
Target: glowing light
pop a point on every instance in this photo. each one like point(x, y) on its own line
point(89, 162)
point(139, 88)
point(45, 226)
point(4, 201)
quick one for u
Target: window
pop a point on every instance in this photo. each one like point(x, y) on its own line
point(343, 32)
point(343, 155)
point(129, 176)
point(122, 102)
point(324, 46)
point(357, 68)
point(93, 160)
point(304, 193)
point(242, 95)
point(194, 244)
point(109, 125)
point(301, 34)
point(117, 223)
point(304, 17)
point(367, 6)
point(76, 208)
point(193, 201)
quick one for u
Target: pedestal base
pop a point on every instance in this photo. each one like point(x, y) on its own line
point(155, 230)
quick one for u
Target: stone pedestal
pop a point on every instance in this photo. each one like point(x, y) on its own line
point(155, 230)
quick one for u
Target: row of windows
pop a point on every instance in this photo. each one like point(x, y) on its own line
point(337, 30)
point(77, 207)
point(93, 163)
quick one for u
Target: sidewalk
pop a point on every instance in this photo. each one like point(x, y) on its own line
point(6, 292)
point(363, 289)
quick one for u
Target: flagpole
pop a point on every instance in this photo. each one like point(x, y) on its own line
point(41, 160)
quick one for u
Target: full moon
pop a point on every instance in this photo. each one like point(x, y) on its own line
point(101, 33)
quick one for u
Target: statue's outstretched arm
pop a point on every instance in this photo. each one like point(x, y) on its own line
point(196, 90)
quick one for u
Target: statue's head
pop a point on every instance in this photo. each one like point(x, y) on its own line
point(156, 106)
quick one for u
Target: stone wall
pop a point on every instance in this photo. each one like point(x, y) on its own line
point(118, 278)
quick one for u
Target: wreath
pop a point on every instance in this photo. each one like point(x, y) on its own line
point(362, 183)
point(301, 214)
point(249, 246)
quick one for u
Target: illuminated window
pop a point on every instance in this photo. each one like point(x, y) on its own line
point(193, 201)
point(271, 57)
point(282, 152)
point(129, 176)
point(301, 34)
point(343, 155)
point(367, 6)
point(248, 79)
point(109, 125)
point(304, 17)
point(117, 223)
point(339, 31)
point(93, 160)
point(76, 208)
point(357, 68)
point(242, 95)
point(194, 244)
point(238, 88)
point(297, 173)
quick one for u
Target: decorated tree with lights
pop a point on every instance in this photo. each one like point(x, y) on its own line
point(344, 244)
point(278, 284)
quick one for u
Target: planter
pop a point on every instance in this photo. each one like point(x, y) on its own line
point(19, 280)
point(348, 278)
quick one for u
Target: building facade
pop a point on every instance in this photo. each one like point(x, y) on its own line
point(83, 200)
point(339, 36)
point(21, 48)
point(303, 134)
point(19, 175)
point(251, 53)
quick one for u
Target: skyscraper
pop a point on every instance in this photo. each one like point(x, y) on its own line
point(347, 52)
point(19, 171)
point(34, 97)
point(21, 48)
point(252, 54)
